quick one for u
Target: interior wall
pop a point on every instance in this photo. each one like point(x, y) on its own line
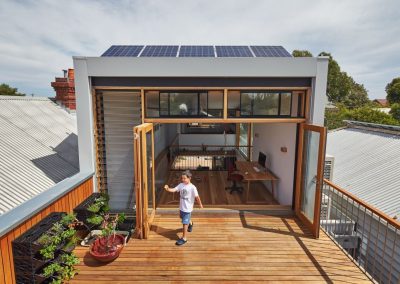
point(269, 138)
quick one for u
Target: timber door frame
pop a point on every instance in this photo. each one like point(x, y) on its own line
point(143, 217)
point(313, 225)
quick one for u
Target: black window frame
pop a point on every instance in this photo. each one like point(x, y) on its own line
point(279, 92)
point(196, 92)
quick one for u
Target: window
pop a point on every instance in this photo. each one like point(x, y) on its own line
point(286, 102)
point(184, 104)
point(152, 106)
point(264, 104)
point(233, 103)
point(244, 132)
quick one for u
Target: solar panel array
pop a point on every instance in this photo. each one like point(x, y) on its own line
point(195, 51)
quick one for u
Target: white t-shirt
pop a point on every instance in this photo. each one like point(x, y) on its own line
point(188, 192)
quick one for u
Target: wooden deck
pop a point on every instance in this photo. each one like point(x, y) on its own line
point(211, 187)
point(226, 246)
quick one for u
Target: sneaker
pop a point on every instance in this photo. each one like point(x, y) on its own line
point(181, 242)
point(190, 227)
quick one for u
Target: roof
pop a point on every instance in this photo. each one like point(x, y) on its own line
point(38, 148)
point(367, 163)
point(382, 102)
point(196, 51)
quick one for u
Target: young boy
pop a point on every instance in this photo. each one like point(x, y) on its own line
point(188, 193)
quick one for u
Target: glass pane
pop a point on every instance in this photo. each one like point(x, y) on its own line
point(215, 103)
point(152, 104)
point(243, 137)
point(265, 104)
point(203, 104)
point(286, 99)
point(233, 103)
point(164, 104)
point(246, 100)
point(184, 104)
point(309, 168)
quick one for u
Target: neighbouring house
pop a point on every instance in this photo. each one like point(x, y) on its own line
point(38, 148)
point(381, 102)
point(65, 90)
point(364, 158)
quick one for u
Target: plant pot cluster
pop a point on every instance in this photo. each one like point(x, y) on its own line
point(106, 239)
point(44, 254)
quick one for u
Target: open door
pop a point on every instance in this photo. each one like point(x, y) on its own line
point(310, 169)
point(144, 178)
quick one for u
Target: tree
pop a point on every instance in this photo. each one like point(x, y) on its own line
point(6, 90)
point(393, 91)
point(335, 118)
point(301, 53)
point(395, 111)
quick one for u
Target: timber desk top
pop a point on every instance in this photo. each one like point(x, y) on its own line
point(252, 175)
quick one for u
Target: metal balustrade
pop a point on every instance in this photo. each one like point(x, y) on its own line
point(367, 235)
point(203, 157)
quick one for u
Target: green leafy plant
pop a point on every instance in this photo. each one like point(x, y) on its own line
point(60, 234)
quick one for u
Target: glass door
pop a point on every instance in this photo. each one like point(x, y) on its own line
point(144, 177)
point(310, 167)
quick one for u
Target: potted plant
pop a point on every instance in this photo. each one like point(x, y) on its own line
point(108, 245)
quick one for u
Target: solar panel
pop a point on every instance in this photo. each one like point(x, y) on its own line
point(233, 51)
point(196, 51)
point(123, 50)
point(160, 51)
point(270, 51)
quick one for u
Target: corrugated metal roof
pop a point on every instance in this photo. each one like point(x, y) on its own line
point(38, 148)
point(367, 163)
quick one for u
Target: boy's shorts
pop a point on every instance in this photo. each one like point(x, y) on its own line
point(185, 216)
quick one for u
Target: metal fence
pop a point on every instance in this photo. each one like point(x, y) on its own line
point(369, 236)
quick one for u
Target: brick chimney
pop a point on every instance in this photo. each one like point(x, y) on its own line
point(65, 90)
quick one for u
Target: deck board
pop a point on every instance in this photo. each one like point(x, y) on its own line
point(226, 246)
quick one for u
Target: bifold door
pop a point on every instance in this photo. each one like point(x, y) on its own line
point(144, 177)
point(310, 169)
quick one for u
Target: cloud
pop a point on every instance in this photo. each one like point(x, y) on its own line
point(39, 38)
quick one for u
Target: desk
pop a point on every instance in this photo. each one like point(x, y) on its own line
point(250, 175)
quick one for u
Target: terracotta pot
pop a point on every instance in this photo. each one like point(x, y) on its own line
point(106, 249)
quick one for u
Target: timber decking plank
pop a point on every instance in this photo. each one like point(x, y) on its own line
point(225, 247)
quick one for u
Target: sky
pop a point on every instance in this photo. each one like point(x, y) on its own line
point(38, 38)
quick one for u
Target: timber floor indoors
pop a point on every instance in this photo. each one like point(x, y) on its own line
point(225, 246)
point(211, 187)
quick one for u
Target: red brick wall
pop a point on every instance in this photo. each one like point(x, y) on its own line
point(65, 90)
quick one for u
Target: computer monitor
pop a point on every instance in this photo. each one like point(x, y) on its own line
point(262, 158)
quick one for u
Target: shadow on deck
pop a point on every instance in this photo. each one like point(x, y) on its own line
point(227, 246)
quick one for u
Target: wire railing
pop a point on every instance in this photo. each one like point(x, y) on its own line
point(203, 157)
point(367, 235)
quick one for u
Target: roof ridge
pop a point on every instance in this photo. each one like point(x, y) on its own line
point(25, 98)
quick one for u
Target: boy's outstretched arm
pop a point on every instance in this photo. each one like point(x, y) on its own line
point(167, 188)
point(199, 201)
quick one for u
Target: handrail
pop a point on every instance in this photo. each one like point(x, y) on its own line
point(367, 235)
point(376, 211)
point(207, 145)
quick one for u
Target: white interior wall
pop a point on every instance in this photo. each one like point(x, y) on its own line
point(269, 138)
